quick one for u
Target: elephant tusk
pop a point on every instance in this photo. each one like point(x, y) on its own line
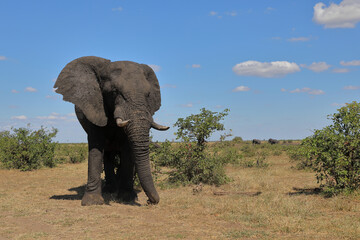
point(159, 127)
point(121, 123)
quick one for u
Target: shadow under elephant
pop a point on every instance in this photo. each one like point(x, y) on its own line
point(80, 191)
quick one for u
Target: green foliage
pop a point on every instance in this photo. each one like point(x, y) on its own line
point(190, 160)
point(71, 152)
point(229, 155)
point(237, 139)
point(194, 165)
point(334, 151)
point(78, 156)
point(261, 159)
point(248, 151)
point(25, 149)
point(200, 126)
point(162, 153)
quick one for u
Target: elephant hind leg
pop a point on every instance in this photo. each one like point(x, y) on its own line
point(111, 183)
point(126, 177)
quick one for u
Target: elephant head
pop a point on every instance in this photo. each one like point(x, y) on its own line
point(120, 94)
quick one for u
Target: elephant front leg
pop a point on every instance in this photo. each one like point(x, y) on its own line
point(92, 194)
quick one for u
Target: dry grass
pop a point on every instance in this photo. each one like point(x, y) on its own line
point(45, 204)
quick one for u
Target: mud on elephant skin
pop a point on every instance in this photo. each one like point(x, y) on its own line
point(114, 103)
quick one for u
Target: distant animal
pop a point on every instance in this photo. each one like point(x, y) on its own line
point(114, 103)
point(256, 141)
point(273, 141)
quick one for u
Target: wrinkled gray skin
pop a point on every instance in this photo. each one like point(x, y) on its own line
point(273, 141)
point(114, 102)
point(256, 141)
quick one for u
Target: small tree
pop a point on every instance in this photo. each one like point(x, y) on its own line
point(26, 149)
point(200, 126)
point(334, 151)
point(192, 163)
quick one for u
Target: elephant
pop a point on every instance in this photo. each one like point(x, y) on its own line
point(114, 102)
point(273, 141)
point(256, 141)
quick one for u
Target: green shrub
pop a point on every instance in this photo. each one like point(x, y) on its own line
point(193, 165)
point(237, 139)
point(229, 155)
point(191, 162)
point(162, 153)
point(25, 149)
point(248, 150)
point(78, 156)
point(261, 159)
point(334, 151)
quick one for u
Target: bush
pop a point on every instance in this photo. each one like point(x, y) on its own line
point(162, 153)
point(193, 165)
point(230, 155)
point(237, 139)
point(78, 156)
point(25, 149)
point(334, 151)
point(191, 162)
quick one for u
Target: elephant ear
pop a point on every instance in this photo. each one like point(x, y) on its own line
point(154, 98)
point(78, 82)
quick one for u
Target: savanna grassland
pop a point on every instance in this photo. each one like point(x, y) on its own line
point(267, 198)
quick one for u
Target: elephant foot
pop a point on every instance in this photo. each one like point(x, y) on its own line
point(127, 196)
point(92, 199)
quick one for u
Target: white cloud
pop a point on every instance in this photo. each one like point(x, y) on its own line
point(343, 15)
point(21, 117)
point(351, 63)
point(283, 90)
point(269, 9)
point(188, 105)
point(265, 69)
point(14, 91)
point(241, 89)
point(350, 87)
point(341, 70)
point(154, 67)
point(196, 66)
point(232, 13)
point(118, 9)
point(3, 58)
point(30, 89)
point(216, 14)
point(299, 39)
point(317, 66)
point(52, 116)
point(308, 91)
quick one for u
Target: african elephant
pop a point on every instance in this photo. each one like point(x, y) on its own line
point(273, 141)
point(256, 141)
point(114, 103)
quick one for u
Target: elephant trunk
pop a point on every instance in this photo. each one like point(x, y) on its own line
point(139, 141)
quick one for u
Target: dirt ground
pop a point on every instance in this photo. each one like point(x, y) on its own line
point(274, 203)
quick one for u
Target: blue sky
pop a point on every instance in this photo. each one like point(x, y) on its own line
point(280, 66)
